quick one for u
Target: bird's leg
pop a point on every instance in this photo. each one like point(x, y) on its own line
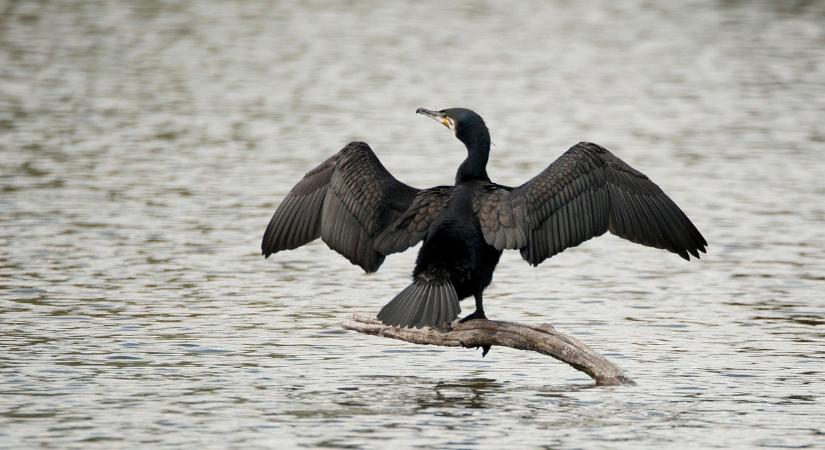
point(478, 314)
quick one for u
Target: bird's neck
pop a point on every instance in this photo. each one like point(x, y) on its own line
point(475, 166)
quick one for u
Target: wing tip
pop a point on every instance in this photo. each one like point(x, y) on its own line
point(696, 252)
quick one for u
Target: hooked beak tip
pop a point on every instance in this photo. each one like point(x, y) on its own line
point(426, 112)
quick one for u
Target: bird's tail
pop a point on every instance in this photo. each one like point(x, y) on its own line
point(422, 303)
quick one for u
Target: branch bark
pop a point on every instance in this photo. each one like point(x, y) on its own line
point(543, 339)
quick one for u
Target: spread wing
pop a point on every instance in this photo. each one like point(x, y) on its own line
point(347, 201)
point(415, 223)
point(584, 193)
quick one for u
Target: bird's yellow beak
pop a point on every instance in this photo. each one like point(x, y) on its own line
point(438, 117)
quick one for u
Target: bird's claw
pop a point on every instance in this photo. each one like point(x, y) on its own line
point(485, 348)
point(475, 315)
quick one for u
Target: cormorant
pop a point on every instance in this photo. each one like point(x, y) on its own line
point(362, 212)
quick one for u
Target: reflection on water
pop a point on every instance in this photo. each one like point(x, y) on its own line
point(143, 147)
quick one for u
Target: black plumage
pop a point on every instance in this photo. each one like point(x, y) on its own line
point(362, 212)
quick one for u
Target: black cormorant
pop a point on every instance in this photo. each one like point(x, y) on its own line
point(362, 212)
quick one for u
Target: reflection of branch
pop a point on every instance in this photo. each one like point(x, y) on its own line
point(476, 333)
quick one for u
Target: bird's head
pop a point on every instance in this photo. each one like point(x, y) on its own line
point(467, 126)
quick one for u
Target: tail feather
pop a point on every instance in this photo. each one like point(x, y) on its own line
point(422, 303)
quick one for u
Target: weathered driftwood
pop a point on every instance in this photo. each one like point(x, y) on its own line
point(475, 333)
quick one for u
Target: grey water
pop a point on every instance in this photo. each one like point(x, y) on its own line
point(144, 146)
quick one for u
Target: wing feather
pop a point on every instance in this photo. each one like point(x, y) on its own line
point(347, 201)
point(583, 194)
point(413, 226)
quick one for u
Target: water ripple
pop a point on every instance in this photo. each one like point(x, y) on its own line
point(144, 145)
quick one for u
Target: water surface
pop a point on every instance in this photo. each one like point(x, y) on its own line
point(144, 145)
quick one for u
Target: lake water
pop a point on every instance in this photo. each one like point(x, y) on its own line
point(144, 146)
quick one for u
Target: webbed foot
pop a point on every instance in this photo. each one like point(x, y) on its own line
point(476, 315)
point(485, 349)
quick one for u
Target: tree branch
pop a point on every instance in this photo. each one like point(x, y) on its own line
point(543, 339)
